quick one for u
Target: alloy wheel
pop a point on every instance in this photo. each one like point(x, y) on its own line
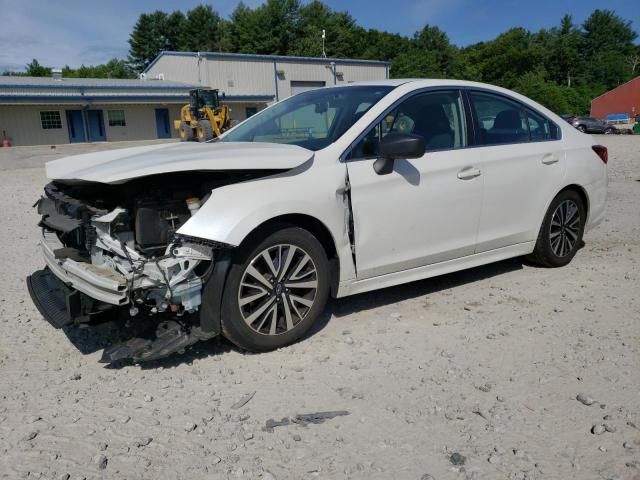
point(277, 289)
point(565, 228)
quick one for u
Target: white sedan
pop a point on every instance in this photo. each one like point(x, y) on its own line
point(335, 191)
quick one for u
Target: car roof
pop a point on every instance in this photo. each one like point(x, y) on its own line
point(423, 83)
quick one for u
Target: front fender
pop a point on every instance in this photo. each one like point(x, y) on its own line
point(232, 212)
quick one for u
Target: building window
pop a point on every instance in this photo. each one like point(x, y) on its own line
point(50, 120)
point(116, 118)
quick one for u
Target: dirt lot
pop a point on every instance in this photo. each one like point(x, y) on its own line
point(485, 364)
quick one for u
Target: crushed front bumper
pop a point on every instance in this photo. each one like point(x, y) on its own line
point(102, 284)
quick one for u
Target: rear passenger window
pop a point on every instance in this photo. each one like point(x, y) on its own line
point(500, 120)
point(541, 128)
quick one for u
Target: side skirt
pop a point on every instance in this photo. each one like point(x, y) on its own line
point(428, 271)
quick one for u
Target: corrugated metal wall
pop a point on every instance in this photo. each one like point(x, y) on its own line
point(242, 76)
point(623, 99)
point(235, 77)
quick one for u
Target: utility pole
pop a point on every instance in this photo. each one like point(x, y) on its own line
point(324, 54)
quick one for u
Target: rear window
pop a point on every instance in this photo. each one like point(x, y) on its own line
point(500, 120)
point(541, 128)
point(505, 121)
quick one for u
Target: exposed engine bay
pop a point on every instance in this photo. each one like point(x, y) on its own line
point(115, 248)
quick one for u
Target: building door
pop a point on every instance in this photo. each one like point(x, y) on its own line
point(250, 111)
point(96, 126)
point(75, 125)
point(162, 123)
point(298, 86)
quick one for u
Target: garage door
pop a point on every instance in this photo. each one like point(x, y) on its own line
point(303, 86)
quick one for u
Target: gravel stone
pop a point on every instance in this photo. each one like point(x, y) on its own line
point(584, 399)
point(101, 461)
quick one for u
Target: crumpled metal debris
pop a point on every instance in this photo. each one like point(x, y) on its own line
point(243, 401)
point(303, 419)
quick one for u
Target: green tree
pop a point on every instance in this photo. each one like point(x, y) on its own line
point(561, 52)
point(607, 41)
point(173, 29)
point(504, 60)
point(114, 68)
point(269, 29)
point(343, 35)
point(34, 69)
point(377, 45)
point(147, 40)
point(201, 30)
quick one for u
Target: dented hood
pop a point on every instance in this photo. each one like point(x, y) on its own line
point(117, 166)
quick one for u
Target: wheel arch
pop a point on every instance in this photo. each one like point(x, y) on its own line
point(311, 224)
point(580, 191)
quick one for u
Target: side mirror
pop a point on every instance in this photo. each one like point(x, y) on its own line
point(397, 145)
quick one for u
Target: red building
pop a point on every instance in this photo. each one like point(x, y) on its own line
point(622, 99)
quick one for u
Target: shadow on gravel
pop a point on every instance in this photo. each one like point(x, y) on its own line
point(90, 339)
point(371, 300)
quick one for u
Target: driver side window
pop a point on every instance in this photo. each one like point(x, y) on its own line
point(435, 116)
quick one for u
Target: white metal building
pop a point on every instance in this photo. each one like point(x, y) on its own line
point(262, 78)
point(43, 111)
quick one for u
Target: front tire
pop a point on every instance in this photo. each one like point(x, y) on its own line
point(561, 232)
point(582, 128)
point(276, 289)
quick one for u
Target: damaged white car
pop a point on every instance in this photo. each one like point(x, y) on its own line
point(335, 191)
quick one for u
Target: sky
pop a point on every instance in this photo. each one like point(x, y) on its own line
point(75, 32)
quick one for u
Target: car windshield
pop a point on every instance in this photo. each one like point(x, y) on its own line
point(312, 119)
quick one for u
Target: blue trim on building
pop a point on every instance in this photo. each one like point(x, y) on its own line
point(274, 58)
point(136, 98)
point(275, 79)
point(98, 87)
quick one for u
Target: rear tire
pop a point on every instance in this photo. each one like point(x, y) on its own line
point(582, 128)
point(608, 131)
point(276, 289)
point(561, 232)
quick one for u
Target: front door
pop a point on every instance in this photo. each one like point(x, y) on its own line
point(162, 123)
point(75, 126)
point(427, 210)
point(96, 126)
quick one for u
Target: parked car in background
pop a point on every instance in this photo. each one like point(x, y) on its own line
point(622, 122)
point(334, 191)
point(593, 125)
point(567, 117)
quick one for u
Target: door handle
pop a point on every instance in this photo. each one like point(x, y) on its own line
point(550, 159)
point(469, 173)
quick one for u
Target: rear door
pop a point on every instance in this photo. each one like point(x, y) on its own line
point(522, 162)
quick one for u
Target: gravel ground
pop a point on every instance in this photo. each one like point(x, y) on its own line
point(472, 375)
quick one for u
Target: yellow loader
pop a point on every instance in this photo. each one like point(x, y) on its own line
point(203, 118)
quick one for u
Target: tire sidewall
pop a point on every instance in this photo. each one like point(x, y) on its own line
point(233, 325)
point(548, 252)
